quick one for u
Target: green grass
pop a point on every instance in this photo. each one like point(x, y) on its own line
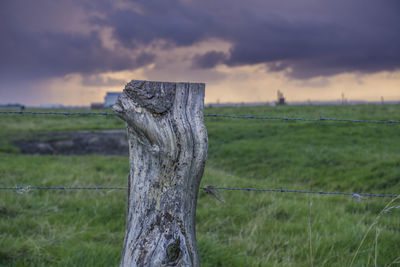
point(86, 228)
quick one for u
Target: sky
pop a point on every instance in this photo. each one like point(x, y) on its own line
point(72, 52)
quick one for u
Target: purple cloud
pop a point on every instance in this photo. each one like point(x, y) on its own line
point(311, 37)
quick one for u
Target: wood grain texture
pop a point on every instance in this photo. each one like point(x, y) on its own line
point(168, 149)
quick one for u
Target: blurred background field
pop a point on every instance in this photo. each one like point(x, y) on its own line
point(86, 228)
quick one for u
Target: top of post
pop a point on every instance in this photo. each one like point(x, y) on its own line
point(156, 96)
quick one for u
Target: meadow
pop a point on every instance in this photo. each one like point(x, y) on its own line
point(86, 227)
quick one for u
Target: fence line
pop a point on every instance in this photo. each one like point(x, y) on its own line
point(296, 119)
point(355, 195)
point(211, 190)
point(208, 115)
point(27, 188)
point(59, 113)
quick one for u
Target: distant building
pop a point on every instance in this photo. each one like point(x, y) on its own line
point(281, 98)
point(96, 106)
point(110, 99)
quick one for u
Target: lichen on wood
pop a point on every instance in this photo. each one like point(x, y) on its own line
point(168, 149)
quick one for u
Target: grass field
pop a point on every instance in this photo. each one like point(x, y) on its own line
point(86, 228)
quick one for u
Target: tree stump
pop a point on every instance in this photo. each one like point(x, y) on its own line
point(168, 150)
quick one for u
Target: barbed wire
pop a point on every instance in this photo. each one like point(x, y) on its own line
point(59, 113)
point(205, 115)
point(211, 190)
point(355, 195)
point(296, 119)
point(27, 188)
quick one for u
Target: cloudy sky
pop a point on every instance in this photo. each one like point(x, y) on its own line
point(72, 51)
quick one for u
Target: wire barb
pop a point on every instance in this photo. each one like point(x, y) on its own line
point(212, 191)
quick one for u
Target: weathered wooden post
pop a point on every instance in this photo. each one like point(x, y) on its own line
point(168, 150)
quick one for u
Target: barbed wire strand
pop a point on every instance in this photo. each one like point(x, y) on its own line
point(205, 115)
point(208, 189)
point(296, 119)
point(61, 188)
point(59, 113)
point(356, 195)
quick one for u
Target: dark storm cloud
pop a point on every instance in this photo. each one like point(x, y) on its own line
point(33, 47)
point(209, 59)
point(306, 38)
point(310, 37)
point(167, 20)
point(52, 54)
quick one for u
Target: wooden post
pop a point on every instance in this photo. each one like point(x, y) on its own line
point(168, 150)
